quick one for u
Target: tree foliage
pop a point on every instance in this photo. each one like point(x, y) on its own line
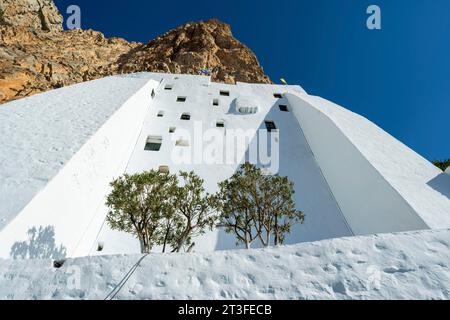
point(257, 206)
point(162, 209)
point(443, 165)
point(159, 209)
point(140, 205)
point(196, 209)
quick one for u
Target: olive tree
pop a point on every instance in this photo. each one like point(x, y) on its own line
point(195, 208)
point(161, 209)
point(238, 207)
point(141, 204)
point(257, 206)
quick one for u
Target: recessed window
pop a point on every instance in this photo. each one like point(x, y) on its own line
point(181, 99)
point(278, 95)
point(182, 143)
point(185, 116)
point(160, 114)
point(153, 143)
point(284, 108)
point(164, 169)
point(248, 110)
point(57, 264)
point(220, 124)
point(168, 87)
point(153, 93)
point(216, 102)
point(172, 129)
point(225, 93)
point(100, 246)
point(270, 125)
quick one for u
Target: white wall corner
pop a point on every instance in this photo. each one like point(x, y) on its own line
point(368, 202)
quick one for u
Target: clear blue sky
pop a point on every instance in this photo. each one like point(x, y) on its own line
point(398, 77)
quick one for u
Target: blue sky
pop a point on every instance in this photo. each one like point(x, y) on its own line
point(398, 77)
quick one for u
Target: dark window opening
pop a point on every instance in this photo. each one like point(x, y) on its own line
point(181, 99)
point(284, 108)
point(216, 102)
point(270, 125)
point(100, 246)
point(153, 93)
point(57, 264)
point(160, 114)
point(153, 143)
point(185, 116)
point(168, 87)
point(225, 93)
point(278, 95)
point(172, 129)
point(220, 124)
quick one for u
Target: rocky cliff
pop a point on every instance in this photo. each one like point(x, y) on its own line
point(36, 55)
point(195, 46)
point(34, 14)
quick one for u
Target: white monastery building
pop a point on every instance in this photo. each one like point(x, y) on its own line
point(60, 150)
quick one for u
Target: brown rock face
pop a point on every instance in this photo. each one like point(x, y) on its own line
point(195, 46)
point(36, 62)
point(36, 55)
point(35, 14)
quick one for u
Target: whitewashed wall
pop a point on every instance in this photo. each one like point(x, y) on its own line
point(73, 201)
point(369, 203)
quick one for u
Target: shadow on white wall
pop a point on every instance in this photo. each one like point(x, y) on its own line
point(41, 244)
point(441, 184)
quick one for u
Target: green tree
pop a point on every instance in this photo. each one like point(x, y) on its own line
point(278, 209)
point(257, 206)
point(171, 226)
point(196, 209)
point(238, 207)
point(443, 165)
point(141, 204)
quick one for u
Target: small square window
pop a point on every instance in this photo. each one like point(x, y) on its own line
point(153, 143)
point(57, 264)
point(185, 116)
point(168, 87)
point(220, 124)
point(278, 95)
point(216, 102)
point(270, 125)
point(160, 114)
point(225, 93)
point(100, 246)
point(284, 108)
point(172, 129)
